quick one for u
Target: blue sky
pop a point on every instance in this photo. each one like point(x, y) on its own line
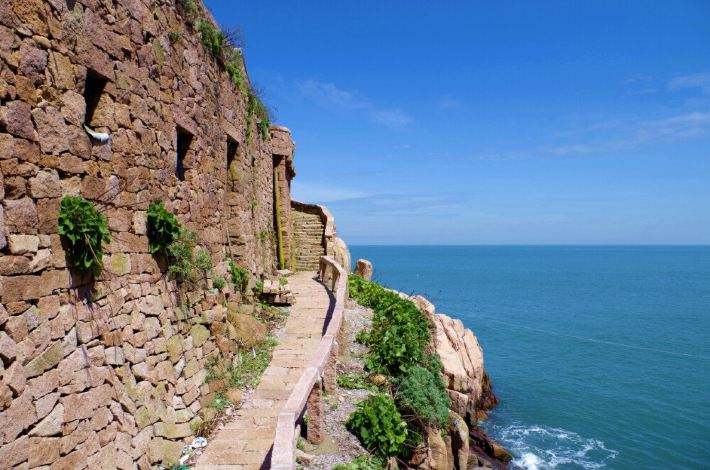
point(507, 122)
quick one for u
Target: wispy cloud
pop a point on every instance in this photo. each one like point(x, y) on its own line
point(700, 81)
point(447, 102)
point(393, 118)
point(613, 135)
point(329, 95)
point(319, 193)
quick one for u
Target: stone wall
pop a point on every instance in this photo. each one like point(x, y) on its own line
point(109, 372)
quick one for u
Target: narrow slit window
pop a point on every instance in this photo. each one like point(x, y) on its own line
point(93, 88)
point(232, 147)
point(183, 145)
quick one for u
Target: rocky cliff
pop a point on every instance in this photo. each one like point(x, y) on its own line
point(471, 394)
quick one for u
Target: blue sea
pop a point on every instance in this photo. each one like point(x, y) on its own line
point(600, 355)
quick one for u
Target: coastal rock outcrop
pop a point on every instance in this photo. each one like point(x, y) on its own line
point(363, 268)
point(467, 382)
point(471, 394)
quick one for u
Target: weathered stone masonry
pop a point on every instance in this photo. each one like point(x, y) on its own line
point(110, 373)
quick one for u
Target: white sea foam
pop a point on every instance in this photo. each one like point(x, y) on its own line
point(541, 448)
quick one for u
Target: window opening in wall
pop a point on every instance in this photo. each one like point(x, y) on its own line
point(232, 147)
point(183, 145)
point(93, 88)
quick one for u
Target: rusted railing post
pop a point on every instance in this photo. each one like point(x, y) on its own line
point(315, 430)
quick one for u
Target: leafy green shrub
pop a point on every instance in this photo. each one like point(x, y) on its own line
point(240, 276)
point(212, 38)
point(423, 395)
point(400, 332)
point(162, 226)
point(363, 462)
point(378, 425)
point(85, 230)
point(219, 282)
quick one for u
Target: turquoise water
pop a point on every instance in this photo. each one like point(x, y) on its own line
point(600, 355)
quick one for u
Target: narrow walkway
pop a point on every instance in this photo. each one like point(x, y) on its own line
point(245, 442)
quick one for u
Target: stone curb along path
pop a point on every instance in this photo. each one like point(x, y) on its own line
point(246, 441)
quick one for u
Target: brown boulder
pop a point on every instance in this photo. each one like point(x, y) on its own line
point(363, 268)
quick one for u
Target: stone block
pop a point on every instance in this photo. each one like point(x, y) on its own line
point(174, 346)
point(43, 451)
point(14, 452)
point(46, 360)
point(52, 424)
point(17, 118)
point(15, 378)
point(165, 451)
point(18, 417)
point(8, 347)
point(33, 62)
point(45, 184)
point(172, 431)
point(114, 356)
point(199, 335)
point(21, 216)
point(21, 244)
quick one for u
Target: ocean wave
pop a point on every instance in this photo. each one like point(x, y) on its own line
point(542, 447)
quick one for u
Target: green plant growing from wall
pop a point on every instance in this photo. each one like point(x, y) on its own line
point(188, 7)
point(203, 260)
point(212, 38)
point(379, 426)
point(162, 226)
point(85, 231)
point(181, 256)
point(240, 276)
point(174, 36)
point(258, 288)
point(219, 282)
point(233, 67)
point(257, 113)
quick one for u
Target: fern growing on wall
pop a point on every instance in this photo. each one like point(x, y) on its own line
point(85, 230)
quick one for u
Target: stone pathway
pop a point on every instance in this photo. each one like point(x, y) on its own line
point(245, 442)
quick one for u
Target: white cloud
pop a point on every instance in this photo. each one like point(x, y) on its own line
point(328, 95)
point(696, 80)
point(393, 118)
